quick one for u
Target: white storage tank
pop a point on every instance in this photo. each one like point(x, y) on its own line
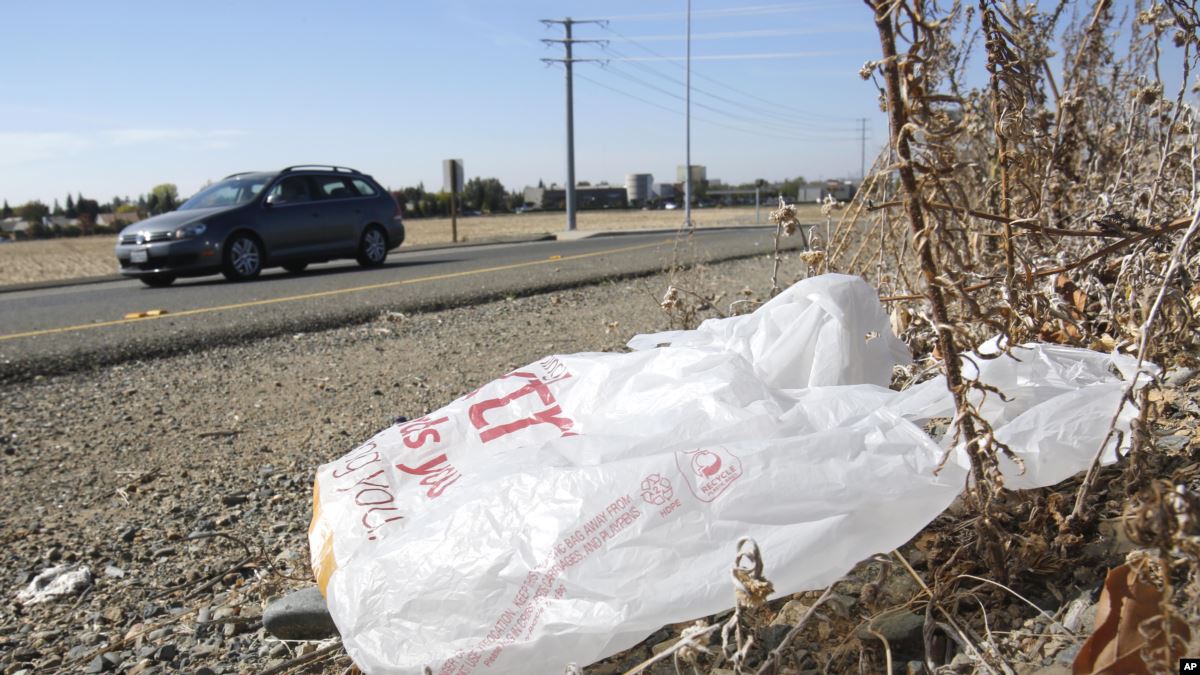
point(639, 186)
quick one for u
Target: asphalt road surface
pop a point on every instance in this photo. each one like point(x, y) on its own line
point(57, 330)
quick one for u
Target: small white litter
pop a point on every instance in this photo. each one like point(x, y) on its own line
point(54, 583)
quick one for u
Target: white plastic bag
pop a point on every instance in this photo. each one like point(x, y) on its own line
point(566, 510)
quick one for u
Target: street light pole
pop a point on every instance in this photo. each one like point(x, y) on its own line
point(687, 184)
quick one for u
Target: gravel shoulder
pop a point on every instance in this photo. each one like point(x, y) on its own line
point(184, 483)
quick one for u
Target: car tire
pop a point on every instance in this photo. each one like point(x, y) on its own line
point(372, 247)
point(243, 257)
point(295, 268)
point(158, 280)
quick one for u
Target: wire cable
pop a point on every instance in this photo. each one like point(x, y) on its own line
point(774, 114)
point(796, 111)
point(752, 132)
point(774, 126)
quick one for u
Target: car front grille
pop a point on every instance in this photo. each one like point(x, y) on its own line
point(144, 237)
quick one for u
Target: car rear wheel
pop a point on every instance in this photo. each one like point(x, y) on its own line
point(372, 247)
point(243, 258)
point(295, 268)
point(158, 280)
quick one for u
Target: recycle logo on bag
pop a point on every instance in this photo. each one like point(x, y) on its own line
point(709, 471)
point(657, 490)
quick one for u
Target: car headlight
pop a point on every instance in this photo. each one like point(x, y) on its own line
point(189, 231)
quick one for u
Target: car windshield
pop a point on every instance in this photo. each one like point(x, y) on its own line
point(229, 192)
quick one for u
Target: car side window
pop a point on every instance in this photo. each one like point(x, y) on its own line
point(364, 188)
point(290, 190)
point(334, 187)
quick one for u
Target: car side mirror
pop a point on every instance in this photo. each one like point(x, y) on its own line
point(272, 200)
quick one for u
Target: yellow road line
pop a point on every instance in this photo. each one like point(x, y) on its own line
point(326, 294)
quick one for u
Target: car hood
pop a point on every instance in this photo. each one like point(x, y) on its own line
point(167, 222)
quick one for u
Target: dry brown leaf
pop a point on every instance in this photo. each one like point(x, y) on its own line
point(1115, 646)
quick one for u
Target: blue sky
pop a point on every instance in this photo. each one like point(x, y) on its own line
point(113, 98)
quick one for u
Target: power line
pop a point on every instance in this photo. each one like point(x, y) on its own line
point(706, 120)
point(794, 133)
point(783, 117)
point(862, 156)
point(791, 109)
point(569, 61)
point(758, 33)
point(754, 10)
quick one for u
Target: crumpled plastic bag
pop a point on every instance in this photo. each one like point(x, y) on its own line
point(566, 510)
point(56, 582)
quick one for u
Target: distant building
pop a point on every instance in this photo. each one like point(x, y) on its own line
point(639, 188)
point(59, 222)
point(589, 197)
point(841, 190)
point(699, 174)
point(10, 227)
point(665, 190)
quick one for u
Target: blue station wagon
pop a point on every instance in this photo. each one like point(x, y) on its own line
point(250, 221)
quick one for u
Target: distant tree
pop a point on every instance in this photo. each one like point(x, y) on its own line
point(152, 204)
point(439, 204)
point(88, 210)
point(126, 207)
point(790, 187)
point(485, 194)
point(415, 196)
point(541, 184)
point(33, 212)
point(166, 198)
point(7, 211)
point(57, 209)
point(70, 210)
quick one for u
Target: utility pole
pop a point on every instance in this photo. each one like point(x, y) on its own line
point(758, 183)
point(567, 61)
point(687, 153)
point(862, 153)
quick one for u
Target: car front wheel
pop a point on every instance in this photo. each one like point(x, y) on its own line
point(243, 258)
point(372, 248)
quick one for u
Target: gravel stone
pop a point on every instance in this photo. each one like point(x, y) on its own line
point(301, 615)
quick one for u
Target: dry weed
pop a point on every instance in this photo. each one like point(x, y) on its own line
point(1055, 199)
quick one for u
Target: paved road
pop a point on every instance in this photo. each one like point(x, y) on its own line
point(61, 329)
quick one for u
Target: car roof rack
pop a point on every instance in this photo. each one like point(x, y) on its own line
point(240, 173)
point(327, 167)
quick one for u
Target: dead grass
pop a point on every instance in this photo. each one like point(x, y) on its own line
point(48, 259)
point(51, 259)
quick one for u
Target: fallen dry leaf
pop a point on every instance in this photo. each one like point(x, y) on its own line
point(1127, 608)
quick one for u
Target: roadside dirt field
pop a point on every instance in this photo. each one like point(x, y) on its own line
point(50, 259)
